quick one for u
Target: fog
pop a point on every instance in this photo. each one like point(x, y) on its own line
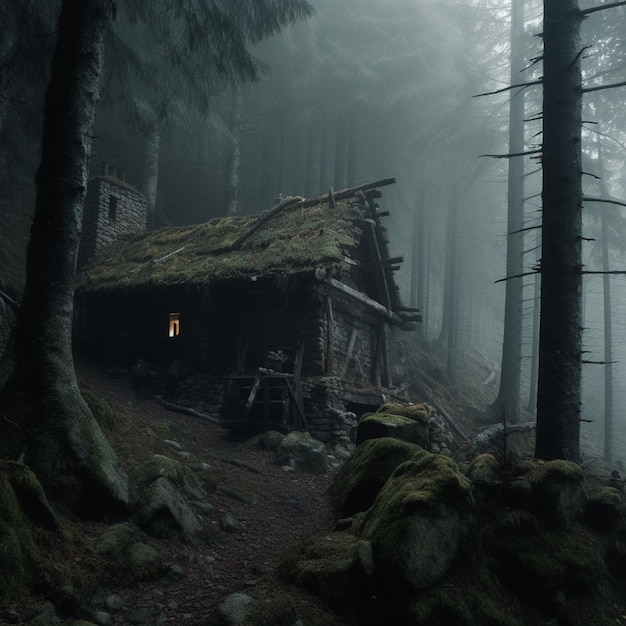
point(360, 91)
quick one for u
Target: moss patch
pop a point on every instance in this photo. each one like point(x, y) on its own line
point(296, 239)
point(362, 476)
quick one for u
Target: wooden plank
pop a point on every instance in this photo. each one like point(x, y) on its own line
point(330, 327)
point(373, 305)
point(349, 353)
point(253, 393)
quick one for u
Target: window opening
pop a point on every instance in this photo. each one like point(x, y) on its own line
point(112, 208)
point(174, 325)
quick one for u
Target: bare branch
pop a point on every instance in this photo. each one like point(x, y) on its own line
point(604, 200)
point(532, 83)
point(602, 87)
point(602, 7)
point(510, 156)
point(523, 230)
point(501, 280)
point(620, 272)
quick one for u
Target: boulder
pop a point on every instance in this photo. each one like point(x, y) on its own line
point(557, 491)
point(602, 510)
point(237, 609)
point(406, 422)
point(362, 476)
point(302, 453)
point(144, 562)
point(162, 489)
point(164, 510)
point(484, 470)
point(419, 520)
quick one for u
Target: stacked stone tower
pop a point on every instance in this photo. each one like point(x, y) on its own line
point(113, 208)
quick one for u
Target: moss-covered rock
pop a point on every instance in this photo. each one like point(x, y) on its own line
point(303, 453)
point(377, 425)
point(602, 510)
point(417, 412)
point(362, 476)
point(419, 520)
point(331, 567)
point(558, 493)
point(484, 470)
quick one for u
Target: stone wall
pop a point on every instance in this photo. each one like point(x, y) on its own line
point(113, 209)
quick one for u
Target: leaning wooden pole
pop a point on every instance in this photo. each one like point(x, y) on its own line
point(560, 338)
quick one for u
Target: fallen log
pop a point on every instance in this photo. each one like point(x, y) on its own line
point(178, 408)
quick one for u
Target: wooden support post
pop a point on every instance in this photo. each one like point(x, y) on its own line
point(330, 325)
point(350, 351)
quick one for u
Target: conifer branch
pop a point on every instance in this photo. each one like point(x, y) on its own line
point(532, 83)
point(602, 7)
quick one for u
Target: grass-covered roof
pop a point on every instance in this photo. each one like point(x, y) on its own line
point(294, 239)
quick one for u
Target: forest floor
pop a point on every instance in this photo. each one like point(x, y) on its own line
point(289, 506)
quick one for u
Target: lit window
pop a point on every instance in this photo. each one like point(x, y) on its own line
point(174, 324)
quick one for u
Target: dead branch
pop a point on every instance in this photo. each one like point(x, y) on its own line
point(510, 156)
point(602, 7)
point(14, 304)
point(501, 280)
point(602, 87)
point(186, 410)
point(604, 201)
point(532, 83)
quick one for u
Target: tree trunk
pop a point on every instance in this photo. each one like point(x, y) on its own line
point(608, 317)
point(45, 421)
point(418, 260)
point(324, 182)
point(560, 341)
point(234, 161)
point(341, 136)
point(507, 402)
point(452, 329)
point(534, 359)
point(608, 344)
point(150, 179)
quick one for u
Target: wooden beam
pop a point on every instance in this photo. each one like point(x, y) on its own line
point(374, 306)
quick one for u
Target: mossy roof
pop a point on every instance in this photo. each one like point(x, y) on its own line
point(296, 239)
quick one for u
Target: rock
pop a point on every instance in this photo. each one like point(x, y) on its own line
point(237, 609)
point(41, 615)
point(114, 602)
point(241, 494)
point(362, 476)
point(484, 470)
point(419, 520)
point(139, 616)
point(557, 491)
point(403, 424)
point(102, 618)
point(269, 440)
point(332, 567)
point(302, 453)
point(166, 511)
point(602, 510)
point(144, 562)
point(116, 539)
point(231, 524)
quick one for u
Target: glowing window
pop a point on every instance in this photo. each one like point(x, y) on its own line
point(174, 324)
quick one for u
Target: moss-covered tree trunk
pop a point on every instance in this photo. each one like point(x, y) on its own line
point(45, 420)
point(560, 342)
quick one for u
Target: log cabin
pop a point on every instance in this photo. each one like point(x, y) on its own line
point(285, 315)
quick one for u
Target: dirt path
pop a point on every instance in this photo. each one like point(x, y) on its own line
point(288, 506)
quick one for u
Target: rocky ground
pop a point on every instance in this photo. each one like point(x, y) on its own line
point(255, 511)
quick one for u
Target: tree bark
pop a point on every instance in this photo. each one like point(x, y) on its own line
point(45, 421)
point(560, 342)
point(234, 161)
point(507, 402)
point(150, 178)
